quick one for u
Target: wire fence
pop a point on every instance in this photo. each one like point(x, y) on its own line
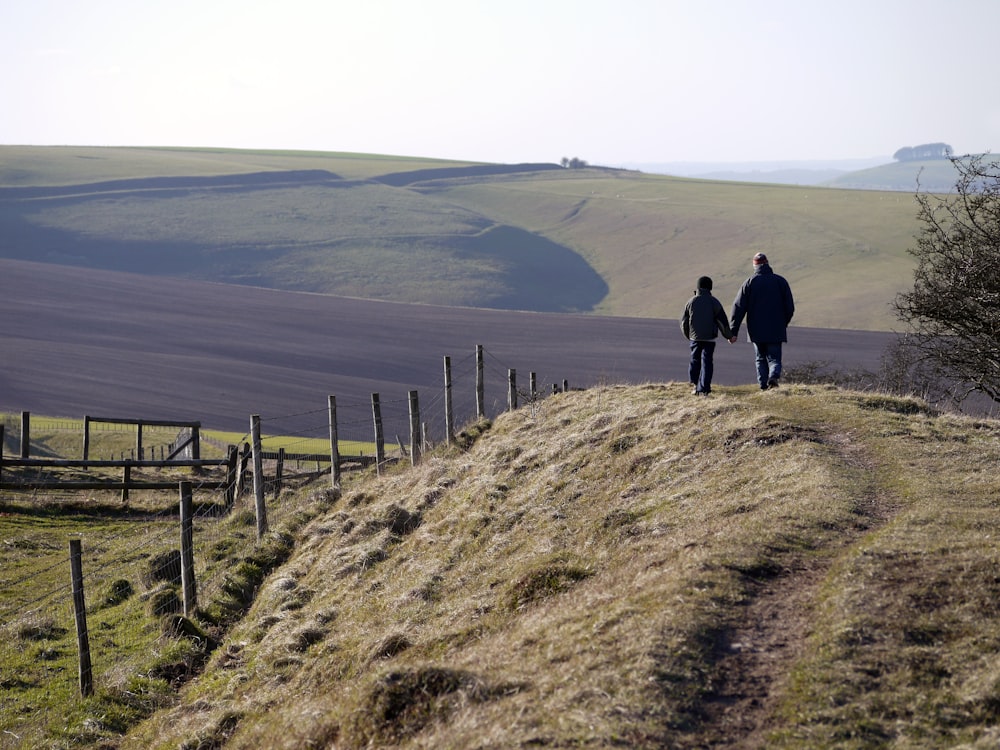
point(130, 556)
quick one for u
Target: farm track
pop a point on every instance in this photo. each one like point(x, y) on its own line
point(79, 341)
point(757, 655)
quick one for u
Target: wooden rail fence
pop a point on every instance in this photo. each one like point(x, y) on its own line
point(236, 464)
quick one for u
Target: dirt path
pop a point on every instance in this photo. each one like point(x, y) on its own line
point(755, 660)
point(757, 655)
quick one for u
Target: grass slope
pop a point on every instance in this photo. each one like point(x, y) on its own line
point(651, 236)
point(591, 240)
point(935, 175)
point(634, 567)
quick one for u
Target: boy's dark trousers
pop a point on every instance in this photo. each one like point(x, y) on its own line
point(701, 366)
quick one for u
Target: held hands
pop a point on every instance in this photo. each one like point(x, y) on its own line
point(732, 339)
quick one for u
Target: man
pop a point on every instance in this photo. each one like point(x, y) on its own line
point(703, 317)
point(765, 299)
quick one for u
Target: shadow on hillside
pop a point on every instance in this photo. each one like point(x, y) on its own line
point(414, 177)
point(538, 274)
point(503, 267)
point(166, 185)
point(22, 240)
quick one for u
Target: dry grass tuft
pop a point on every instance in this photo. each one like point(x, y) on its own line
point(400, 703)
point(543, 580)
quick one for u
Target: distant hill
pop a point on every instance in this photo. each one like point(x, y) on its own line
point(932, 175)
point(880, 173)
point(536, 237)
point(788, 172)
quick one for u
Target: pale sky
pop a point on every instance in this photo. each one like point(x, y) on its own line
point(607, 81)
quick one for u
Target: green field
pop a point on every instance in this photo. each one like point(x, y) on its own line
point(595, 241)
point(141, 648)
point(62, 437)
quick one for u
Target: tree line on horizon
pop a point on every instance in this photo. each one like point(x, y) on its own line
point(924, 151)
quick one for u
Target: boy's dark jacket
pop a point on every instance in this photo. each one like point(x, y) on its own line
point(704, 317)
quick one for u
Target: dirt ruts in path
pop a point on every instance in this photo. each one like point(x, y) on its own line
point(756, 656)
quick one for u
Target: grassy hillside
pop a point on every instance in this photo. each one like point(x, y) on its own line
point(593, 240)
point(935, 175)
point(650, 237)
point(22, 166)
point(634, 567)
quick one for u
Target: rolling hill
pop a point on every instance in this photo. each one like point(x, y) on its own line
point(933, 175)
point(526, 237)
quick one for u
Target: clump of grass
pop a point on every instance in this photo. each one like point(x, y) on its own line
point(400, 703)
point(163, 567)
point(215, 736)
point(540, 582)
point(39, 628)
point(389, 646)
point(898, 405)
point(468, 436)
point(118, 591)
point(164, 600)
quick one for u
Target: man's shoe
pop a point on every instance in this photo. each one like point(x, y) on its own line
point(772, 383)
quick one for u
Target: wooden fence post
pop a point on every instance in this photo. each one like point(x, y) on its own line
point(241, 472)
point(25, 434)
point(80, 610)
point(379, 434)
point(187, 551)
point(532, 386)
point(449, 418)
point(480, 393)
point(334, 446)
point(258, 477)
point(195, 442)
point(414, 429)
point(126, 479)
point(232, 462)
point(279, 471)
point(511, 390)
point(86, 438)
point(1, 451)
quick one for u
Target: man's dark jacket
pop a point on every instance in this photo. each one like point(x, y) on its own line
point(765, 299)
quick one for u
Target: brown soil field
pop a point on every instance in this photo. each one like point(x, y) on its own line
point(79, 342)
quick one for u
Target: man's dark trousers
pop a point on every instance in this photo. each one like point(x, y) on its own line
point(768, 358)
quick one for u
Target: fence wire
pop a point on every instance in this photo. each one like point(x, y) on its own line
point(131, 552)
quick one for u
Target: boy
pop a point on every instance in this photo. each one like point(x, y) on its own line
point(703, 318)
